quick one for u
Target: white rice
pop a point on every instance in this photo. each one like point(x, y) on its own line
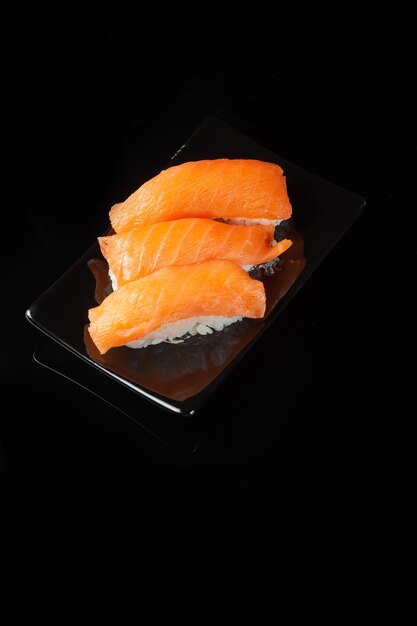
point(172, 333)
point(244, 221)
point(113, 280)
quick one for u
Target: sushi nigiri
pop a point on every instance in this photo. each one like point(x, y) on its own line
point(175, 301)
point(242, 191)
point(135, 253)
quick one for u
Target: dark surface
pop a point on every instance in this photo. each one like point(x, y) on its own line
point(297, 499)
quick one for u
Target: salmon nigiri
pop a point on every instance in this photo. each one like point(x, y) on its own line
point(175, 301)
point(135, 253)
point(243, 191)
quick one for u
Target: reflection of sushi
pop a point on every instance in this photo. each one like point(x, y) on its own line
point(176, 301)
point(243, 191)
point(145, 249)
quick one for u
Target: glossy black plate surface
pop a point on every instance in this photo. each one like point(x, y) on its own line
point(181, 377)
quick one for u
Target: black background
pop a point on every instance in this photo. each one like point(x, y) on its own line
point(299, 502)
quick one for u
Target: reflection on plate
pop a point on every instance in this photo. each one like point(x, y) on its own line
point(181, 376)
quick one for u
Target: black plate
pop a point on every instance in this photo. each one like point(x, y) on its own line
point(181, 377)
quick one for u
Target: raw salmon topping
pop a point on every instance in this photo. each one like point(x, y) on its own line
point(243, 189)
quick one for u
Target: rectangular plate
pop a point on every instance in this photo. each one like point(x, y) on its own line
point(180, 377)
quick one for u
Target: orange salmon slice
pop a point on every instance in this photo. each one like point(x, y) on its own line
point(228, 189)
point(136, 253)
